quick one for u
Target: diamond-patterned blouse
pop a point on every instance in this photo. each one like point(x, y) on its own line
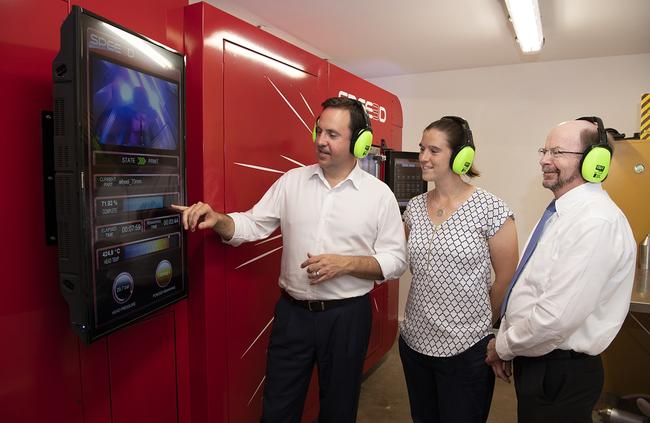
point(448, 306)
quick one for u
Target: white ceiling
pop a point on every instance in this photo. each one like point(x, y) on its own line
point(375, 38)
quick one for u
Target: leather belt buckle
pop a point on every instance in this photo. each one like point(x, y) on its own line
point(316, 305)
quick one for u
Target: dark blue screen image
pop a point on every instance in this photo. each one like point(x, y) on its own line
point(131, 108)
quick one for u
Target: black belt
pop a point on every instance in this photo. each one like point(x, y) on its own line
point(320, 305)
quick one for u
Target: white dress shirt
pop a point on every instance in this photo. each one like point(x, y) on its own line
point(359, 217)
point(574, 292)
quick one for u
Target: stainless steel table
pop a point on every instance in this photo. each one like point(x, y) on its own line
point(640, 302)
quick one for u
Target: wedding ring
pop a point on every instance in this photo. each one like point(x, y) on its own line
point(317, 273)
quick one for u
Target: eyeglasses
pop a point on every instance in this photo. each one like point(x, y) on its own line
point(555, 152)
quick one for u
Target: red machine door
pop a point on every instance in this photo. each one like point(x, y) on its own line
point(269, 109)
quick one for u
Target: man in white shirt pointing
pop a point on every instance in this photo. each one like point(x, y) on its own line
point(341, 231)
point(572, 293)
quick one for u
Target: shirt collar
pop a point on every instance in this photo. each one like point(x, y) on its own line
point(355, 176)
point(574, 196)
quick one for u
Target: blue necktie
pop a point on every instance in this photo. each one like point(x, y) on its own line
point(537, 233)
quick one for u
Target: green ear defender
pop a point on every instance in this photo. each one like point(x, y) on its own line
point(463, 156)
point(594, 165)
point(361, 139)
point(463, 160)
point(361, 145)
point(314, 132)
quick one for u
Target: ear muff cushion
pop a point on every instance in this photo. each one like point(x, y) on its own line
point(595, 164)
point(463, 160)
point(362, 144)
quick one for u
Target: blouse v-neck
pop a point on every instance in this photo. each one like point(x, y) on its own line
point(437, 225)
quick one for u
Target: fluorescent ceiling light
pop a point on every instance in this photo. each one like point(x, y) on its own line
point(524, 15)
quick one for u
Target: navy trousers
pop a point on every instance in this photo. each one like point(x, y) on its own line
point(455, 389)
point(334, 340)
point(562, 386)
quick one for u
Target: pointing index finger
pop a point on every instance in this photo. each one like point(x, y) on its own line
point(181, 209)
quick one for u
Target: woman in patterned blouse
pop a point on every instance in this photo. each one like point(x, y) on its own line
point(456, 234)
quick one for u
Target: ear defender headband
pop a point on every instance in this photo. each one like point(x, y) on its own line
point(596, 158)
point(361, 140)
point(462, 156)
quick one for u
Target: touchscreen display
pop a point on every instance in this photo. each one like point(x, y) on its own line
point(119, 163)
point(136, 173)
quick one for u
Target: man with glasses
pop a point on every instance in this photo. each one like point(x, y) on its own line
point(571, 291)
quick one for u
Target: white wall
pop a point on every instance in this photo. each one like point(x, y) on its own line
point(511, 109)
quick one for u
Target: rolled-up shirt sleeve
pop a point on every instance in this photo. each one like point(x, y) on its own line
point(390, 246)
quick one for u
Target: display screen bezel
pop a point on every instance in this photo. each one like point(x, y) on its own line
point(122, 48)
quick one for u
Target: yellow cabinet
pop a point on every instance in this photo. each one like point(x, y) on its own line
point(627, 360)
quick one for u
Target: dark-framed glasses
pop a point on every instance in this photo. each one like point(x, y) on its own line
point(555, 152)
